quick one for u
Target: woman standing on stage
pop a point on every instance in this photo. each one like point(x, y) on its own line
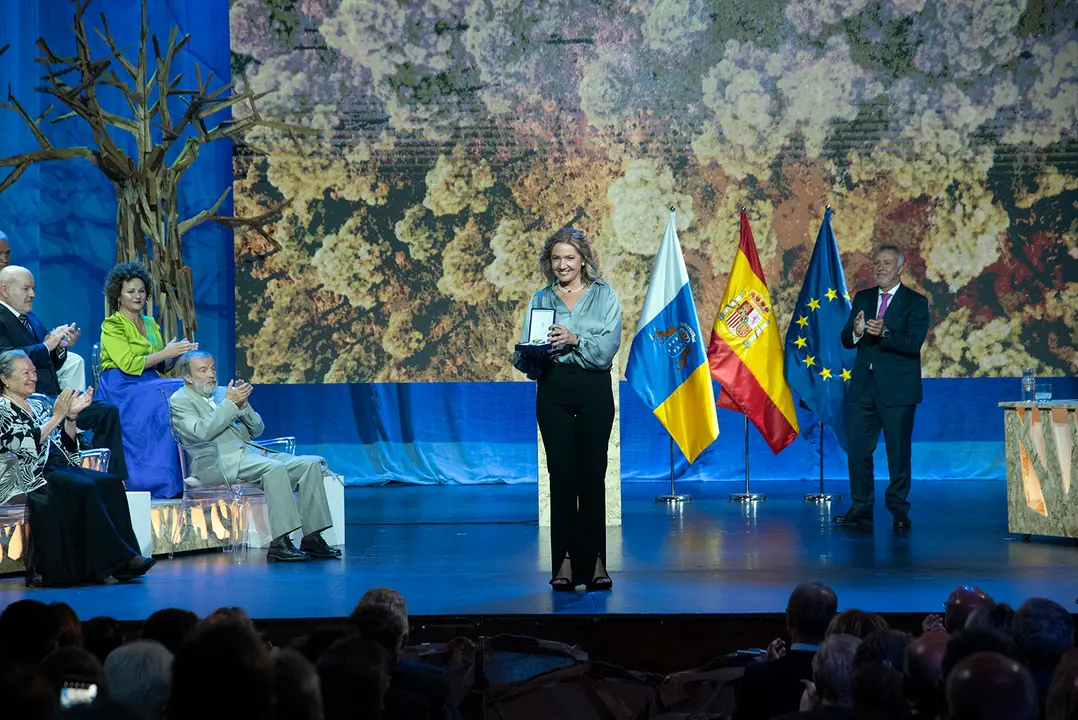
point(575, 405)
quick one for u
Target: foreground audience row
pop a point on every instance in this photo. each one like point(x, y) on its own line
point(980, 661)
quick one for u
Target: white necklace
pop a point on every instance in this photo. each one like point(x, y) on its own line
point(569, 292)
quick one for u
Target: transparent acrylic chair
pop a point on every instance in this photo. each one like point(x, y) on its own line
point(205, 482)
point(12, 492)
point(95, 364)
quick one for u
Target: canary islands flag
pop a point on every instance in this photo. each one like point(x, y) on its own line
point(667, 363)
point(817, 366)
point(746, 349)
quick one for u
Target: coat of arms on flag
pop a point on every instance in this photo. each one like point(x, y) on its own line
point(678, 341)
point(747, 315)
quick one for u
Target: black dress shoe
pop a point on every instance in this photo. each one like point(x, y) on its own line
point(560, 584)
point(902, 522)
point(138, 567)
point(854, 517)
point(600, 583)
point(317, 548)
point(283, 550)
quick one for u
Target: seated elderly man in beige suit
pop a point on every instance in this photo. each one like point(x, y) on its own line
point(204, 412)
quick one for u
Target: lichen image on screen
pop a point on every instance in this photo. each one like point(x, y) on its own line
point(453, 136)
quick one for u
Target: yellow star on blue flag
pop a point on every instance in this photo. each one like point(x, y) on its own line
point(814, 350)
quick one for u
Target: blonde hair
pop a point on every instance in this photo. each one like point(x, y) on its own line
point(589, 265)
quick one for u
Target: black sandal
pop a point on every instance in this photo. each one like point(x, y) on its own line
point(601, 583)
point(560, 584)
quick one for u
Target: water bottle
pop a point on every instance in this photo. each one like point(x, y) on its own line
point(1029, 385)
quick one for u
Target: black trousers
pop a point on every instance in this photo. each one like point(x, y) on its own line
point(867, 416)
point(575, 410)
point(80, 527)
point(103, 420)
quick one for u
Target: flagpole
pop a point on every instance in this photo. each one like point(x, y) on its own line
point(673, 498)
point(821, 496)
point(747, 496)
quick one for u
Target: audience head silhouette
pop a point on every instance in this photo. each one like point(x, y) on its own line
point(29, 630)
point(878, 686)
point(991, 686)
point(811, 608)
point(832, 670)
point(221, 672)
point(140, 676)
point(923, 667)
point(169, 627)
point(857, 623)
point(963, 602)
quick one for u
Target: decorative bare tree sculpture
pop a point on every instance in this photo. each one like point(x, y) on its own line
point(148, 225)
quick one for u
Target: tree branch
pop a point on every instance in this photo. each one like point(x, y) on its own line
point(256, 223)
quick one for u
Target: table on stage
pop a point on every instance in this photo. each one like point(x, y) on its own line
point(1042, 460)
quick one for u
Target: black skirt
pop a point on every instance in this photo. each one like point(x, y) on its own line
point(80, 528)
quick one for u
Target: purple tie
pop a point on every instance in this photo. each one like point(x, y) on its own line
point(886, 297)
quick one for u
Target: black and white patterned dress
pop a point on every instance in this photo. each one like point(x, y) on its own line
point(80, 524)
point(19, 434)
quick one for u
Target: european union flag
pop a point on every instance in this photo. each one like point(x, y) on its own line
point(817, 366)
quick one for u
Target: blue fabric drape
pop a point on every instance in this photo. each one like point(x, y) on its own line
point(61, 216)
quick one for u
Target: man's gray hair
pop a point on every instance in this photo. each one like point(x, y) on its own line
point(140, 676)
point(890, 247)
point(183, 365)
point(832, 669)
point(385, 597)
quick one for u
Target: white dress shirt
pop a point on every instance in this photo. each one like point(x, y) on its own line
point(879, 303)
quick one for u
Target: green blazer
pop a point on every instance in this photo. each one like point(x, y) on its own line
point(124, 348)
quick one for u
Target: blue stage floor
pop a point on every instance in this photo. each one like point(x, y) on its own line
point(457, 551)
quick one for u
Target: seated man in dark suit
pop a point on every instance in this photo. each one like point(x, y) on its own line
point(416, 690)
point(774, 687)
point(21, 330)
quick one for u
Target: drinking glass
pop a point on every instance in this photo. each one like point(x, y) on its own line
point(1044, 392)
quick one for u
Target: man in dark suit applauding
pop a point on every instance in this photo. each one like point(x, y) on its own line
point(887, 325)
point(774, 687)
point(20, 329)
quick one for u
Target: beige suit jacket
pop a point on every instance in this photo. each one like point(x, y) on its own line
point(227, 427)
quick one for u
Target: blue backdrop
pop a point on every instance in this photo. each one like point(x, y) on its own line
point(61, 218)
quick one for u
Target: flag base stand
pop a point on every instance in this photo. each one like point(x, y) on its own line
point(822, 497)
point(747, 497)
point(674, 498)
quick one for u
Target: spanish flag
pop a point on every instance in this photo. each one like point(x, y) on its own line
point(746, 354)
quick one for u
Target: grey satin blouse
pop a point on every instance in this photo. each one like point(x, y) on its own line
point(595, 319)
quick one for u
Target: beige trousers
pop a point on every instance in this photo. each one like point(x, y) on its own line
point(279, 476)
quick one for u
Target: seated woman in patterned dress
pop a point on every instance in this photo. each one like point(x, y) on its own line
point(80, 524)
point(134, 358)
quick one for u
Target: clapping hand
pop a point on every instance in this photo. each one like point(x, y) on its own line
point(933, 623)
point(776, 649)
point(71, 335)
point(79, 402)
point(875, 327)
point(61, 407)
point(58, 337)
point(175, 347)
point(859, 324)
point(238, 391)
